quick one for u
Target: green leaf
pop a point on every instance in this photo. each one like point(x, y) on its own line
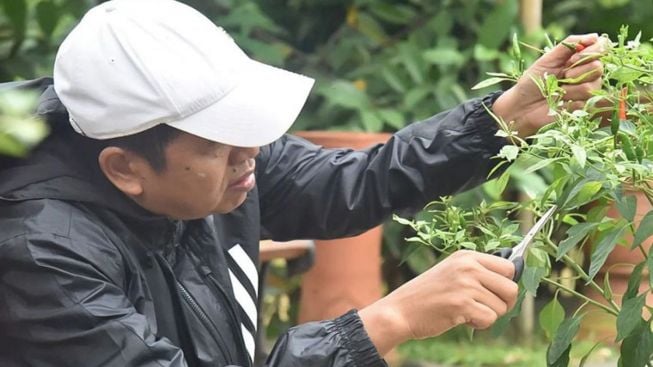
point(395, 13)
point(345, 94)
point(371, 120)
point(574, 235)
point(644, 230)
point(541, 164)
point(582, 193)
point(603, 249)
point(587, 355)
point(371, 28)
point(393, 79)
point(495, 188)
point(607, 287)
point(392, 117)
point(551, 317)
point(496, 25)
point(443, 56)
point(636, 348)
point(16, 11)
point(509, 152)
point(580, 155)
point(563, 361)
point(532, 277)
point(627, 204)
point(416, 95)
point(47, 15)
point(502, 323)
point(489, 82)
point(630, 316)
point(411, 57)
point(562, 340)
point(634, 282)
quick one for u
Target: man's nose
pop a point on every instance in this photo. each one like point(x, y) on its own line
point(241, 154)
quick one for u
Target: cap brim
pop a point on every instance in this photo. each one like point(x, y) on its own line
point(258, 111)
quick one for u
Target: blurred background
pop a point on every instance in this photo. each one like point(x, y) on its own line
point(379, 65)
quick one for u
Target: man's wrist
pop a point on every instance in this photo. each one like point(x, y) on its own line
point(385, 326)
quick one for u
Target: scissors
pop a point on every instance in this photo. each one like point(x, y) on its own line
point(517, 253)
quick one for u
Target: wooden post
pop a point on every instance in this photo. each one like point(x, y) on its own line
point(531, 19)
point(531, 15)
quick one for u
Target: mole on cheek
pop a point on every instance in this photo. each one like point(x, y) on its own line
point(187, 168)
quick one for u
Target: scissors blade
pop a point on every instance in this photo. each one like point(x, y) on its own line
point(520, 249)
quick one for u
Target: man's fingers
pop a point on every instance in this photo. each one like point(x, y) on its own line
point(581, 92)
point(584, 73)
point(504, 288)
point(592, 52)
point(561, 53)
point(497, 264)
point(482, 316)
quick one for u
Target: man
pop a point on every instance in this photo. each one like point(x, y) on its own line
point(132, 240)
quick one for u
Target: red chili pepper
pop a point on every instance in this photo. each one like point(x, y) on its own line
point(622, 104)
point(576, 47)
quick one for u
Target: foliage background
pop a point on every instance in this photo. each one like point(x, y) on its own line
point(379, 63)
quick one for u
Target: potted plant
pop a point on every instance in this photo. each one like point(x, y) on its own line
point(589, 162)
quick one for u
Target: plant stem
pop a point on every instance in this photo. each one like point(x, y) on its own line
point(581, 296)
point(579, 270)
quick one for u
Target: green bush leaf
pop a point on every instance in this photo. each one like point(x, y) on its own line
point(532, 277)
point(580, 155)
point(551, 317)
point(47, 15)
point(604, 247)
point(502, 323)
point(444, 56)
point(16, 11)
point(636, 348)
point(496, 26)
point(634, 282)
point(644, 230)
point(587, 355)
point(371, 28)
point(630, 316)
point(509, 152)
point(489, 82)
point(627, 204)
point(582, 193)
point(574, 235)
point(561, 343)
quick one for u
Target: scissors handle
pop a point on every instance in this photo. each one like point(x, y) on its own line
point(518, 262)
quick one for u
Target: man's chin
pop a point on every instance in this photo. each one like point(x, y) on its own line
point(227, 206)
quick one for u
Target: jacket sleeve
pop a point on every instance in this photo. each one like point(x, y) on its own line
point(307, 191)
point(335, 343)
point(77, 315)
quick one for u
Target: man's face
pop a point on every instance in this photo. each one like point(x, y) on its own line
point(201, 177)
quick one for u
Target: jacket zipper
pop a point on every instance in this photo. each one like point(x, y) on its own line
point(208, 274)
point(219, 340)
point(232, 312)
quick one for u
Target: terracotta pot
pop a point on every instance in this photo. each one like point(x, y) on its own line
point(347, 271)
point(597, 324)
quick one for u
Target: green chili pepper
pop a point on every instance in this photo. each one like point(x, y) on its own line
point(639, 152)
point(627, 147)
point(614, 123)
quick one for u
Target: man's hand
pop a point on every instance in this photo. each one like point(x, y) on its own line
point(524, 103)
point(467, 288)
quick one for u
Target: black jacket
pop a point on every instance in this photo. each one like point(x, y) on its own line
point(88, 278)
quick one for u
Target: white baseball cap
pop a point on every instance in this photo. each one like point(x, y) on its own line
point(130, 65)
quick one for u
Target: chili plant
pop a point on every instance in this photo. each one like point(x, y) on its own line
point(595, 157)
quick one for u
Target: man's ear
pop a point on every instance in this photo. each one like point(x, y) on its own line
point(123, 169)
